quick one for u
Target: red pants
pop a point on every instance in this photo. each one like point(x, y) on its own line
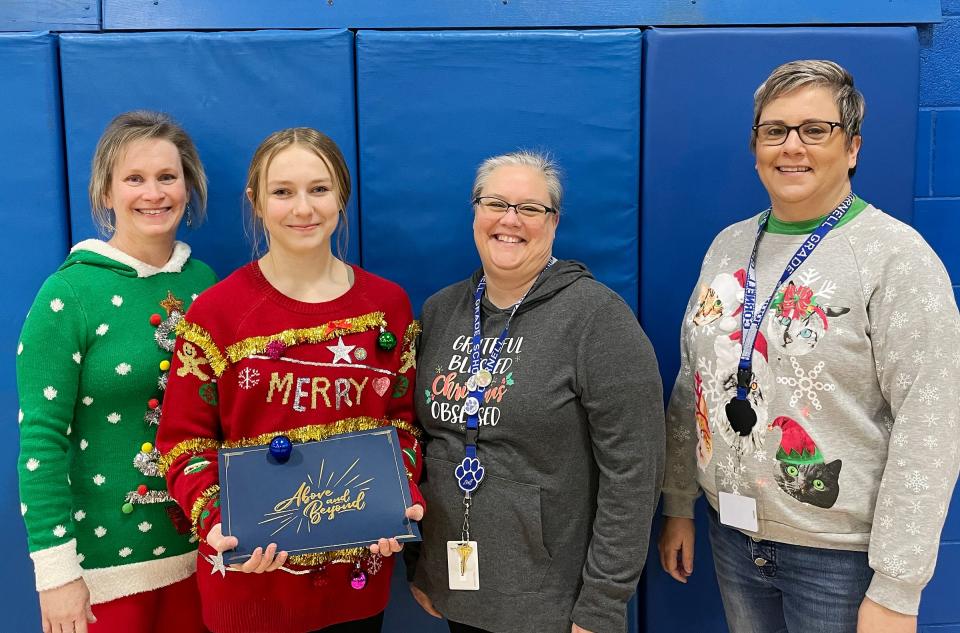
point(175, 608)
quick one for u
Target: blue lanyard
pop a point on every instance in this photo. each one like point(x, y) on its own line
point(751, 318)
point(469, 472)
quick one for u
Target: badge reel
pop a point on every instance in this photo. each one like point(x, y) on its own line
point(737, 510)
point(463, 563)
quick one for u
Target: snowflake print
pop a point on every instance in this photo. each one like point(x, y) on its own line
point(59, 531)
point(248, 378)
point(102, 329)
point(898, 319)
point(49, 392)
point(912, 528)
point(916, 506)
point(712, 380)
point(32, 464)
point(99, 479)
point(374, 563)
point(113, 418)
point(100, 531)
point(889, 294)
point(903, 380)
point(123, 369)
point(806, 385)
point(23, 509)
point(901, 463)
point(938, 463)
point(157, 551)
point(904, 268)
point(916, 481)
point(918, 550)
point(117, 300)
point(900, 439)
point(126, 551)
point(144, 526)
point(79, 515)
point(56, 305)
point(931, 419)
point(87, 401)
point(873, 247)
point(84, 444)
point(886, 522)
point(894, 565)
point(77, 357)
point(731, 475)
point(919, 356)
point(931, 442)
point(681, 434)
point(724, 261)
point(759, 455)
point(929, 394)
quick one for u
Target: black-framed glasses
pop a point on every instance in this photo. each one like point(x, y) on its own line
point(492, 204)
point(810, 133)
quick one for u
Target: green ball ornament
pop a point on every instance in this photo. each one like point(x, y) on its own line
point(127, 508)
point(387, 340)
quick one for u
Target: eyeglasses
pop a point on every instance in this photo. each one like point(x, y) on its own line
point(492, 204)
point(810, 133)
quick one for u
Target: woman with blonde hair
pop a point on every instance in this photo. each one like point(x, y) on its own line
point(91, 372)
point(301, 314)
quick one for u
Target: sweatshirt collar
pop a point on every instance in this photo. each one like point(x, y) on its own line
point(181, 253)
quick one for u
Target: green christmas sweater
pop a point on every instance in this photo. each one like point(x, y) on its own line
point(91, 371)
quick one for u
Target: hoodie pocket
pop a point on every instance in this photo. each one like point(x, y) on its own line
point(505, 520)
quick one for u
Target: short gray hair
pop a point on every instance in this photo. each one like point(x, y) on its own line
point(818, 73)
point(542, 162)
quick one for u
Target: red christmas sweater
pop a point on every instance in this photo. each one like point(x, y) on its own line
point(251, 363)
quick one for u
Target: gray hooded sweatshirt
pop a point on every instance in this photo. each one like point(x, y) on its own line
point(572, 440)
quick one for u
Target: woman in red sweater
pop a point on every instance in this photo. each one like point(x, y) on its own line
point(300, 343)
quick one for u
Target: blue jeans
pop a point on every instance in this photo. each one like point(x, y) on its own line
point(770, 587)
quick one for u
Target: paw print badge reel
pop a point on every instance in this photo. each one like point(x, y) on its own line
point(463, 569)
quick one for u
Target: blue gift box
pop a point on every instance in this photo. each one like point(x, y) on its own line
point(343, 492)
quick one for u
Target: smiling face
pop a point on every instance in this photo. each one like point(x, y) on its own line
point(300, 208)
point(148, 192)
point(805, 181)
point(511, 245)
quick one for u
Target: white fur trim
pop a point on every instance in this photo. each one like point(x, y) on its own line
point(181, 253)
point(110, 583)
point(56, 566)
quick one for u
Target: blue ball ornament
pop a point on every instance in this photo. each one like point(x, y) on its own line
point(281, 448)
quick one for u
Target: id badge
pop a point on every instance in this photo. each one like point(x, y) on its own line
point(738, 511)
point(463, 565)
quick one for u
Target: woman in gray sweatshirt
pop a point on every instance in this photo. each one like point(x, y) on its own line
point(542, 401)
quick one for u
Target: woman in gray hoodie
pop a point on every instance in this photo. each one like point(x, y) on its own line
point(545, 458)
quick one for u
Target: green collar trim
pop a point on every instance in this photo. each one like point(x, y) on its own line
point(806, 227)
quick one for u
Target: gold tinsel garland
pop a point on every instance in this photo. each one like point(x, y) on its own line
point(352, 555)
point(200, 504)
point(199, 336)
point(193, 445)
point(316, 432)
point(408, 358)
point(319, 334)
point(310, 433)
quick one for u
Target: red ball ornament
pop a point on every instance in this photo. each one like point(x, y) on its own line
point(155, 320)
point(142, 489)
point(153, 403)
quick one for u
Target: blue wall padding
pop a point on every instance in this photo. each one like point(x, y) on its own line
point(50, 15)
point(433, 105)
point(189, 14)
point(229, 90)
point(33, 204)
point(698, 177)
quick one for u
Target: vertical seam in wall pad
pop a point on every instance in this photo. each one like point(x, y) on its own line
point(356, 142)
point(67, 210)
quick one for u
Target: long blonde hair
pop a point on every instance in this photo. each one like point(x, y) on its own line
point(321, 145)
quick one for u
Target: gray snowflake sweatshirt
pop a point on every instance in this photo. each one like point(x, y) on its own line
point(855, 385)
